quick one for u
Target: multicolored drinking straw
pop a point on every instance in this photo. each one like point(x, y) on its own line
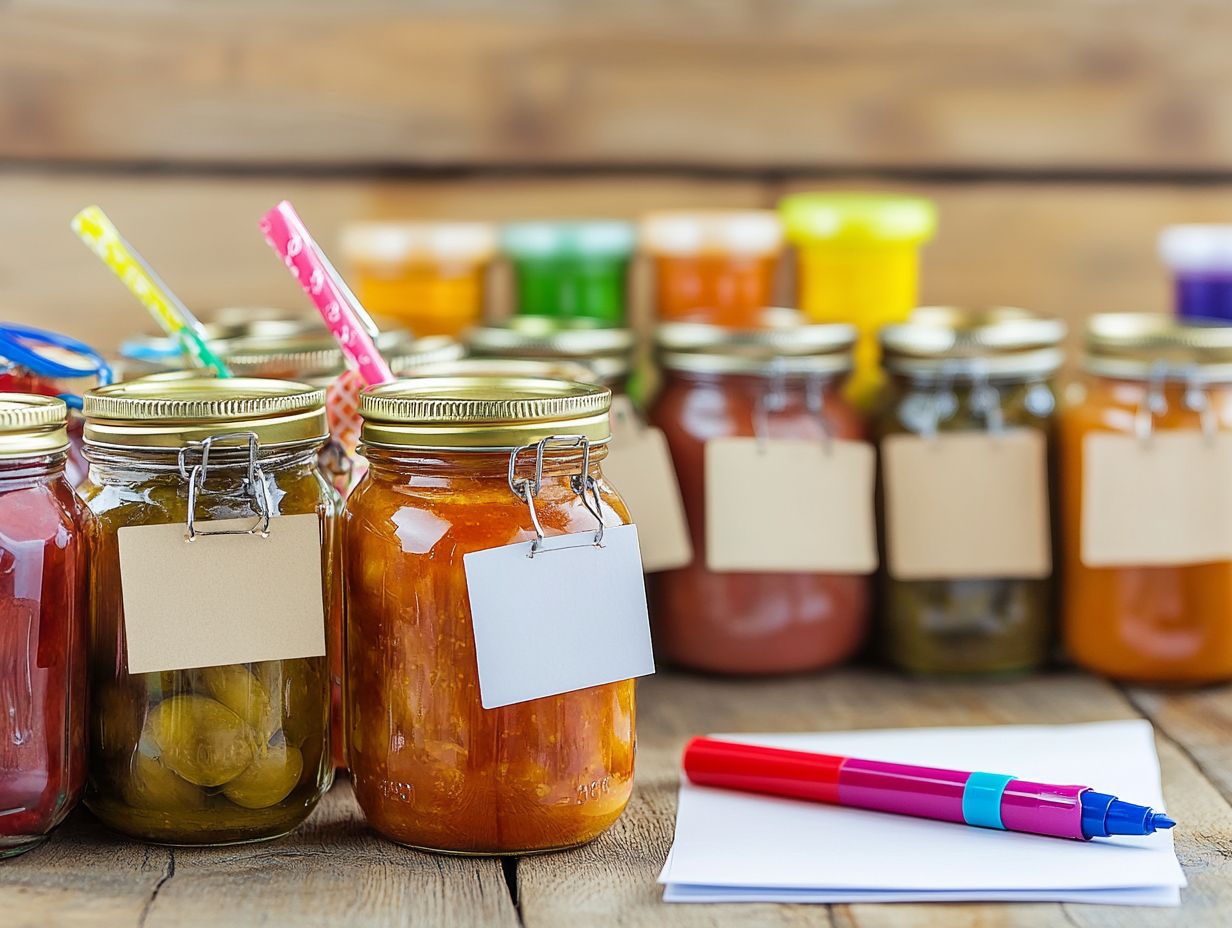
point(102, 237)
point(349, 323)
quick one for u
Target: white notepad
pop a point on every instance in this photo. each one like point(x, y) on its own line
point(733, 847)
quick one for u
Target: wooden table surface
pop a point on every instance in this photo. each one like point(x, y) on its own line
point(335, 871)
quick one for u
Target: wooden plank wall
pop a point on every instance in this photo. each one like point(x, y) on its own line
point(1056, 136)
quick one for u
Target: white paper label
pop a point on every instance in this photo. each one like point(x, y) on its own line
point(221, 599)
point(570, 617)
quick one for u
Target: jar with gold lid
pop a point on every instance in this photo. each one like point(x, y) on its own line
point(1150, 603)
point(42, 623)
point(607, 353)
point(984, 372)
point(205, 754)
point(430, 766)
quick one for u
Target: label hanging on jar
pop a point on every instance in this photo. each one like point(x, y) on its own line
point(640, 467)
point(221, 599)
point(782, 505)
point(967, 505)
point(1164, 501)
point(569, 617)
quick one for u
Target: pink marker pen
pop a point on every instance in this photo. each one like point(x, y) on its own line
point(988, 800)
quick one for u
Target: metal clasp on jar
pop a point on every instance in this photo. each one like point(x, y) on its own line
point(774, 399)
point(584, 485)
point(253, 481)
point(984, 399)
point(1155, 403)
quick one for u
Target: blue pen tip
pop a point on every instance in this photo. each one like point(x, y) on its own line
point(1162, 821)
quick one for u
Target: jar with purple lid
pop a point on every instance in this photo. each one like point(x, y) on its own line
point(1200, 257)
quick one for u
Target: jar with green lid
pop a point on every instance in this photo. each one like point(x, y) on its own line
point(214, 754)
point(606, 353)
point(967, 370)
point(571, 269)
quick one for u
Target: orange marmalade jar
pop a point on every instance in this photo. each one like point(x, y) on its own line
point(430, 766)
point(1147, 374)
point(714, 266)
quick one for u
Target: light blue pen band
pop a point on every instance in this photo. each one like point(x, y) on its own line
point(981, 801)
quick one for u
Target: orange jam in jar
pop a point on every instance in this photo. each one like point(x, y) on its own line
point(1165, 623)
point(430, 766)
point(714, 266)
point(428, 276)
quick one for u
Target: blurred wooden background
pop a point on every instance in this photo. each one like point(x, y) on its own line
point(1056, 135)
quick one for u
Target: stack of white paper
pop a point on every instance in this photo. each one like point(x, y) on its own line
point(737, 847)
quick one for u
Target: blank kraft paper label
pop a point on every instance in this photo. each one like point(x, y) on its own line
point(783, 505)
point(571, 617)
point(221, 599)
point(967, 504)
point(1163, 501)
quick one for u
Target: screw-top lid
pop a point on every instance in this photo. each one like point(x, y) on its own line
point(32, 425)
point(312, 353)
point(606, 352)
point(398, 242)
point(507, 367)
point(738, 232)
point(167, 414)
point(784, 343)
point(858, 218)
point(588, 238)
point(482, 413)
point(1197, 247)
point(994, 341)
point(1141, 345)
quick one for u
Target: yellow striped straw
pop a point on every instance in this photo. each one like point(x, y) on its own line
point(102, 237)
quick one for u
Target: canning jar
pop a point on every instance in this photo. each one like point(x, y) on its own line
point(42, 624)
point(571, 269)
point(974, 371)
point(1162, 620)
point(430, 766)
point(607, 353)
point(858, 262)
point(428, 276)
point(213, 754)
point(715, 266)
point(1200, 258)
point(783, 380)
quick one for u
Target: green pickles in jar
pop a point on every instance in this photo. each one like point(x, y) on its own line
point(967, 371)
point(218, 754)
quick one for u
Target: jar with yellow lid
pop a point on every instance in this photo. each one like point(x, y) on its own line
point(1157, 614)
point(955, 370)
point(858, 262)
point(781, 380)
point(607, 353)
point(430, 766)
point(214, 754)
point(716, 266)
point(42, 623)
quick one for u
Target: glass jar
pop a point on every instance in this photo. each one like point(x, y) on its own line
point(958, 370)
point(1200, 258)
point(858, 262)
point(428, 276)
point(606, 353)
point(42, 624)
point(780, 381)
point(209, 755)
point(571, 270)
point(1166, 624)
point(715, 266)
point(430, 766)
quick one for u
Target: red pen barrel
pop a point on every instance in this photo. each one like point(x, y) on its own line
point(756, 769)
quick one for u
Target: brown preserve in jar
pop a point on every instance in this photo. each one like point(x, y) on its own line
point(780, 381)
point(430, 766)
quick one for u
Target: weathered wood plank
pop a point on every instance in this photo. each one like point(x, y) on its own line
point(1199, 721)
point(617, 873)
point(794, 83)
point(332, 871)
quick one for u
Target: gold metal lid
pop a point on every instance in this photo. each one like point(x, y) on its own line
point(482, 413)
point(165, 413)
point(545, 369)
point(312, 352)
point(32, 425)
point(606, 352)
point(784, 343)
point(1140, 345)
point(996, 341)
